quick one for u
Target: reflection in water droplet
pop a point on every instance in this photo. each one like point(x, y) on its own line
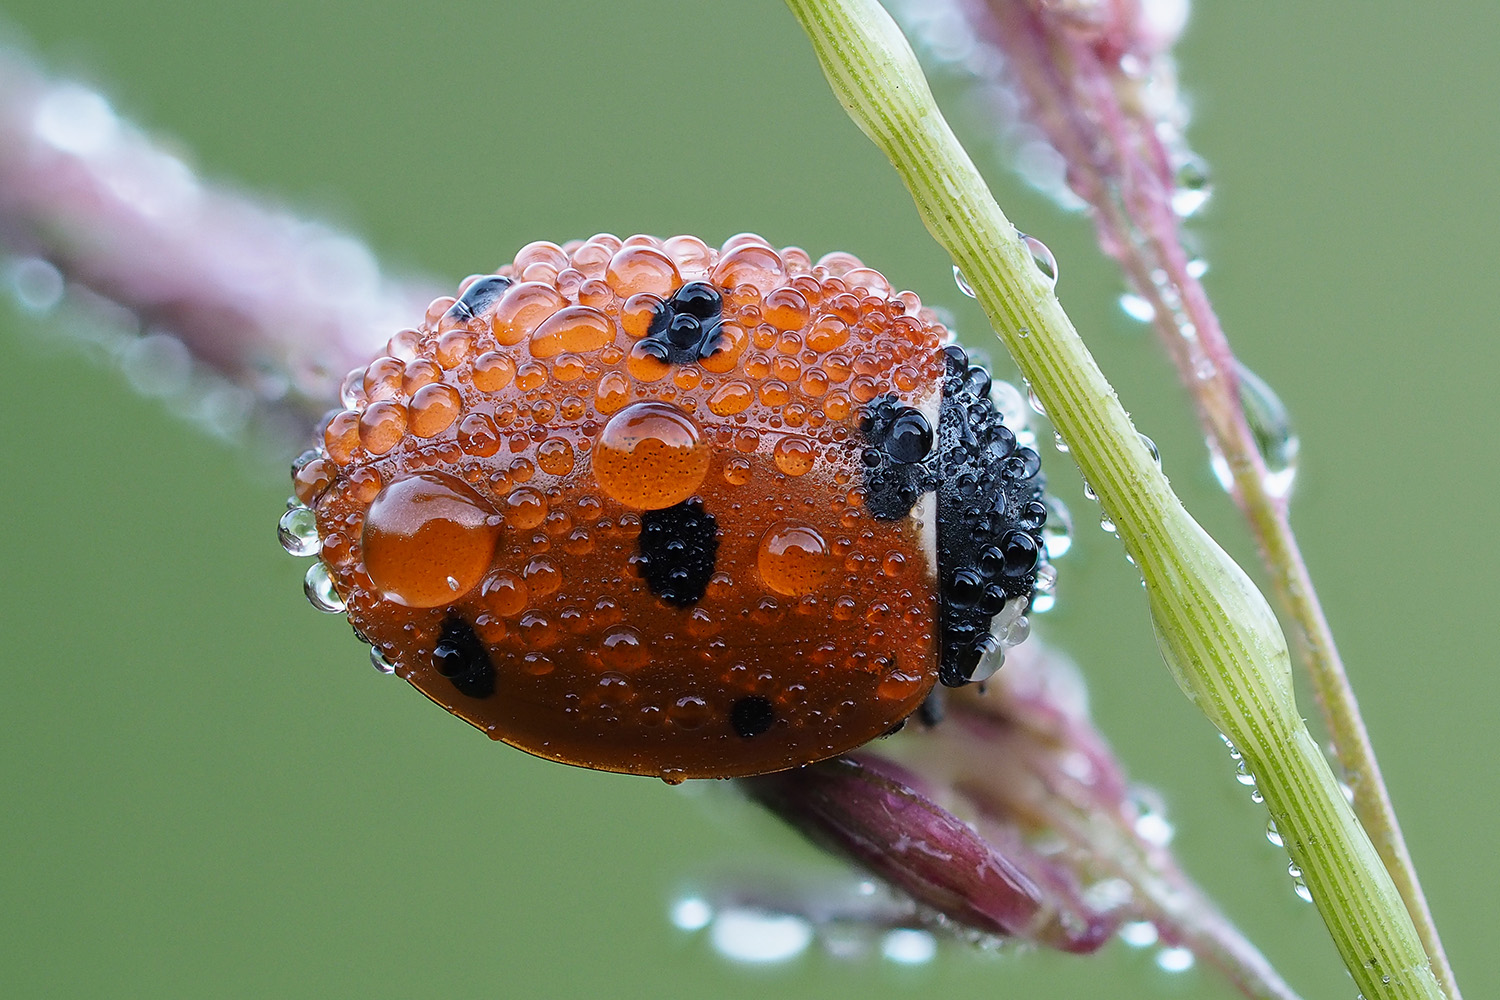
point(1273, 834)
point(757, 937)
point(1137, 307)
point(1174, 959)
point(794, 559)
point(1041, 257)
point(962, 282)
point(380, 663)
point(907, 946)
point(318, 586)
point(298, 531)
point(1033, 401)
point(1106, 524)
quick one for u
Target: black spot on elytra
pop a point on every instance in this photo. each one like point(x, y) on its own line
point(462, 658)
point(678, 549)
point(752, 715)
point(989, 504)
point(685, 328)
point(479, 296)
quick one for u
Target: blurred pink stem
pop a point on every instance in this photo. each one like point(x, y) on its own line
point(277, 304)
point(1067, 61)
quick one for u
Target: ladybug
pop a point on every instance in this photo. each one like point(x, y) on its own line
point(651, 507)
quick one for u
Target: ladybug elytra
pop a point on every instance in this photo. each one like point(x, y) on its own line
point(651, 507)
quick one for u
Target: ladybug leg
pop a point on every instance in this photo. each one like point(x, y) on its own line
point(933, 709)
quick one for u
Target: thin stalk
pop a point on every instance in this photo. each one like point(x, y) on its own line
point(1092, 112)
point(1215, 630)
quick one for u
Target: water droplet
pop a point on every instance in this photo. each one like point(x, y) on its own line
point(1041, 257)
point(691, 913)
point(35, 284)
point(794, 559)
point(962, 282)
point(908, 946)
point(1151, 448)
point(1298, 885)
point(650, 456)
point(1088, 492)
point(757, 937)
point(298, 531)
point(428, 539)
point(380, 663)
point(76, 120)
point(1137, 307)
point(1243, 776)
point(1193, 187)
point(1154, 828)
point(1273, 834)
point(1107, 524)
point(1256, 796)
point(1271, 426)
point(1046, 578)
point(1057, 532)
point(1174, 959)
point(1033, 401)
point(1042, 603)
point(1197, 267)
point(320, 591)
point(1139, 933)
point(1058, 442)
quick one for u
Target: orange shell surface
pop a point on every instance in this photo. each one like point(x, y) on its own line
point(494, 470)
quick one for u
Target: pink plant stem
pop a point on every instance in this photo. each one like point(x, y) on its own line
point(1069, 69)
point(276, 304)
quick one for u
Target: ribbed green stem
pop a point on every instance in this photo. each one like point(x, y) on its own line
point(1215, 630)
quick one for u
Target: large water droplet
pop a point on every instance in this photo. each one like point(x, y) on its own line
point(1193, 187)
point(298, 531)
point(1041, 257)
point(320, 591)
point(428, 539)
point(651, 455)
point(962, 282)
point(1137, 307)
point(1057, 532)
point(1273, 834)
point(1174, 959)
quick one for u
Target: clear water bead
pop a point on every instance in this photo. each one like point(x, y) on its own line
point(1139, 933)
point(1273, 834)
point(1192, 187)
point(691, 913)
point(320, 591)
point(1271, 428)
point(1137, 307)
point(298, 531)
point(380, 663)
point(1041, 257)
point(1174, 959)
point(1151, 448)
point(908, 946)
point(1057, 532)
point(962, 282)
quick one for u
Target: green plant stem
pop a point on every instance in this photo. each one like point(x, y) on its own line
point(1215, 630)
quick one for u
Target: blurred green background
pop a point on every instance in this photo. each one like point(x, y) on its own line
point(208, 793)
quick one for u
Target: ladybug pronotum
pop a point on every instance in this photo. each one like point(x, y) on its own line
point(651, 507)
